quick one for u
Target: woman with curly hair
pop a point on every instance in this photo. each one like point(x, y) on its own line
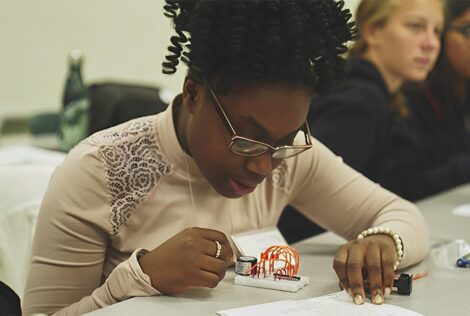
point(147, 207)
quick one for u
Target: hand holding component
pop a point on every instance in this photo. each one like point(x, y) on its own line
point(195, 257)
point(374, 256)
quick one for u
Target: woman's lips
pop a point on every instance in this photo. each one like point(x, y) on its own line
point(422, 61)
point(240, 188)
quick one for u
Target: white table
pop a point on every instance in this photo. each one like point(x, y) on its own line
point(437, 211)
point(443, 292)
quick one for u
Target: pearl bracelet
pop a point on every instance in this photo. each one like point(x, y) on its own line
point(386, 231)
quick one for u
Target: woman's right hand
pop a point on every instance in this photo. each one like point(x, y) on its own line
point(188, 260)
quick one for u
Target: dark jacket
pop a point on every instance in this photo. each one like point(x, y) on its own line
point(431, 150)
point(415, 156)
point(354, 122)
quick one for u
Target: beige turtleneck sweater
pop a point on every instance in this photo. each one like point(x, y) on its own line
point(127, 188)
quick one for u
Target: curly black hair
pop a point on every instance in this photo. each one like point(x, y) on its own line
point(233, 43)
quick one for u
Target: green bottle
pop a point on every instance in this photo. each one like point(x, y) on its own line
point(74, 117)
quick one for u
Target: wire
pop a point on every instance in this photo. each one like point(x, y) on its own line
point(188, 177)
point(420, 275)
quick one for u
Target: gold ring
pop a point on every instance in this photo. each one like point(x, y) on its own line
point(219, 248)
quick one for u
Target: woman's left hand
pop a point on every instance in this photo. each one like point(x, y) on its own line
point(374, 257)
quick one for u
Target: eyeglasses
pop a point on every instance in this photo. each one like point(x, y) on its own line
point(247, 147)
point(462, 29)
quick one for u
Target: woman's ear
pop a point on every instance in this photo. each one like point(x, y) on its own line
point(371, 34)
point(192, 93)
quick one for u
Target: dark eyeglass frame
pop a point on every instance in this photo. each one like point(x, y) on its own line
point(461, 29)
point(298, 149)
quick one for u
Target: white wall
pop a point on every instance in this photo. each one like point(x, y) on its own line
point(121, 39)
point(352, 5)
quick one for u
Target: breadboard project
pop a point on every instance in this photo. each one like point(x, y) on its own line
point(276, 270)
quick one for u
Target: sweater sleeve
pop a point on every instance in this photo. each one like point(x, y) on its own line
point(344, 201)
point(71, 242)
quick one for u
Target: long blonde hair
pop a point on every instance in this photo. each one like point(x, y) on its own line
point(377, 13)
point(372, 12)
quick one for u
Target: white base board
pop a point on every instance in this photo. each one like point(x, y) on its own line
point(270, 283)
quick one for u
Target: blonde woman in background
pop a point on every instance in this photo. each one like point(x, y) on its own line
point(400, 42)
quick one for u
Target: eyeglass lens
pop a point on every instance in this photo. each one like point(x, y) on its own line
point(250, 148)
point(247, 148)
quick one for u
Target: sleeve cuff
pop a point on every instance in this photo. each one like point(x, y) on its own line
point(128, 280)
point(134, 263)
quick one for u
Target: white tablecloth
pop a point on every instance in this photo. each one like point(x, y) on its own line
point(24, 176)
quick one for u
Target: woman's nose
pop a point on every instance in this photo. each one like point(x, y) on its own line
point(432, 40)
point(261, 165)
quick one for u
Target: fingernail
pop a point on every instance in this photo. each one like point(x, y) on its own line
point(378, 299)
point(358, 299)
point(234, 258)
point(388, 291)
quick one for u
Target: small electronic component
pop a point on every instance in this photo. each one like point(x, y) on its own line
point(244, 264)
point(464, 261)
point(402, 284)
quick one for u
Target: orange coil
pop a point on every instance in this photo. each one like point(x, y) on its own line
point(275, 254)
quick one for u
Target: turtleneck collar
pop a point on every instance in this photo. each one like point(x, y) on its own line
point(170, 144)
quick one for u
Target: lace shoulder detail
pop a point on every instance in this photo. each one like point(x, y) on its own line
point(133, 164)
point(123, 131)
point(278, 177)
